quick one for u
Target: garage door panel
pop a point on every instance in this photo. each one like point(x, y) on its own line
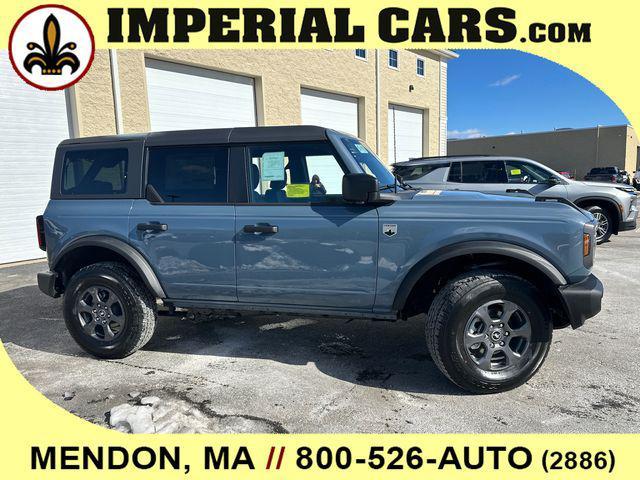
point(405, 135)
point(330, 110)
point(33, 123)
point(183, 97)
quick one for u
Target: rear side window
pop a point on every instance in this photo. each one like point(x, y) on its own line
point(196, 174)
point(478, 172)
point(414, 173)
point(95, 172)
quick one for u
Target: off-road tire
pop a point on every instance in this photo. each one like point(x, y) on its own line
point(456, 302)
point(138, 304)
point(596, 210)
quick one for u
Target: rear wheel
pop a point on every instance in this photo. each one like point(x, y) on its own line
point(604, 225)
point(488, 331)
point(108, 311)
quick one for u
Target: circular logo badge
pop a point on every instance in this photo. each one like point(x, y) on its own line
point(51, 47)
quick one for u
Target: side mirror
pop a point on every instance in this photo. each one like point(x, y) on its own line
point(360, 188)
point(552, 181)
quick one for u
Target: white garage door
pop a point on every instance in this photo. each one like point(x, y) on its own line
point(32, 123)
point(405, 133)
point(329, 110)
point(183, 97)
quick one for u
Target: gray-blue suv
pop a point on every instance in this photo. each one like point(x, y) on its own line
point(307, 220)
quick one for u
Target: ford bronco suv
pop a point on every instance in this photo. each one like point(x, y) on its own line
point(307, 220)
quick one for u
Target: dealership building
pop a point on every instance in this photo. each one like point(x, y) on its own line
point(395, 100)
point(575, 150)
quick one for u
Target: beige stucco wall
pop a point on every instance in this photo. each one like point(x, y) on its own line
point(576, 150)
point(94, 99)
point(394, 89)
point(279, 75)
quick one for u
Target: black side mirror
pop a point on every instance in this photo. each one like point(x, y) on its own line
point(360, 188)
point(552, 181)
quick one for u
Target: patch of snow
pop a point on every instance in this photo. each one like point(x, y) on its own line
point(155, 415)
point(288, 325)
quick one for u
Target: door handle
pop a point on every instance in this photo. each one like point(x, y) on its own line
point(152, 227)
point(260, 229)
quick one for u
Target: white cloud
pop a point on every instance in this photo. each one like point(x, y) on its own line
point(503, 82)
point(511, 133)
point(468, 133)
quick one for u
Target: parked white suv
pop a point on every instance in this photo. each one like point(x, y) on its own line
point(612, 204)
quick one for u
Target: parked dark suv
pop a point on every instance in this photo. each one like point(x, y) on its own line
point(307, 220)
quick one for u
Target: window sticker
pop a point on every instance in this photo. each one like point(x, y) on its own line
point(272, 164)
point(297, 190)
point(429, 192)
point(516, 171)
point(361, 148)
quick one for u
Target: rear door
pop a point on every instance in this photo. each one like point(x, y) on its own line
point(187, 234)
point(298, 242)
point(488, 176)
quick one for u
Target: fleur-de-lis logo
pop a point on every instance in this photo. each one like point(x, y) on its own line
point(50, 56)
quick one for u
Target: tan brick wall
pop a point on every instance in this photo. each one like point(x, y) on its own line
point(279, 75)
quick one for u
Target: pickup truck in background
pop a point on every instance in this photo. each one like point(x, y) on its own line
point(606, 174)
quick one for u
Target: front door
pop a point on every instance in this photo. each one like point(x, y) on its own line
point(188, 236)
point(297, 242)
point(524, 175)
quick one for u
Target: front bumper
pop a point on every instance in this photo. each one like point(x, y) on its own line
point(582, 300)
point(47, 283)
point(628, 225)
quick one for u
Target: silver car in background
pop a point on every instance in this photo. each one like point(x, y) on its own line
point(614, 205)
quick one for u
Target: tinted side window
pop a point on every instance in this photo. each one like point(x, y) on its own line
point(413, 173)
point(95, 172)
point(455, 173)
point(484, 172)
point(295, 173)
point(196, 174)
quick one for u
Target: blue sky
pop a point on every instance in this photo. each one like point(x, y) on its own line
point(501, 92)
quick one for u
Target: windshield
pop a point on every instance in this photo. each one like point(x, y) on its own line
point(368, 161)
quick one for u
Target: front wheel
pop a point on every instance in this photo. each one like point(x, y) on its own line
point(488, 331)
point(604, 225)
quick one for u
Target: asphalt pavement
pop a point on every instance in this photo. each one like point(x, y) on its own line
point(291, 374)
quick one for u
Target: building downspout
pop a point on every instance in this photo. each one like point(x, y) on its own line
point(378, 106)
point(115, 88)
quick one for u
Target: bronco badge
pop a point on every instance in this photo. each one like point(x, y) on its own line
point(390, 229)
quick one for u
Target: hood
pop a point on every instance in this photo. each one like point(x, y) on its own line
point(470, 199)
point(617, 186)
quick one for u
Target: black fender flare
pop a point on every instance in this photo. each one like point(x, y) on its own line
point(133, 256)
point(475, 247)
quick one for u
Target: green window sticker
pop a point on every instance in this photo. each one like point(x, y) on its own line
point(516, 171)
point(297, 190)
point(272, 164)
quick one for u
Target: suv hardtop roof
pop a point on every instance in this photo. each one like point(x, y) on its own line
point(457, 158)
point(216, 135)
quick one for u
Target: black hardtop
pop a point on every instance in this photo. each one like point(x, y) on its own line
point(288, 133)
